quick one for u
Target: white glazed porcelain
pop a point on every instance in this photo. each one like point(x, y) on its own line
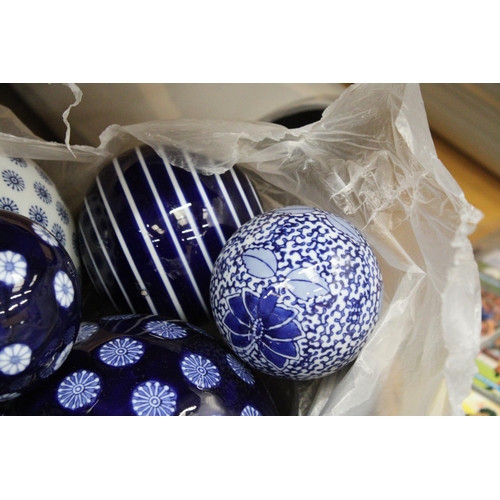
point(26, 189)
point(296, 292)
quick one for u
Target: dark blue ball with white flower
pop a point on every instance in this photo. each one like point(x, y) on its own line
point(39, 304)
point(146, 365)
point(296, 292)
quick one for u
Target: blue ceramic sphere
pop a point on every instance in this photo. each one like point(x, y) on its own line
point(146, 365)
point(27, 190)
point(39, 304)
point(150, 231)
point(296, 292)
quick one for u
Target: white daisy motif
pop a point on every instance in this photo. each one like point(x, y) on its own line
point(13, 267)
point(121, 351)
point(45, 235)
point(166, 329)
point(200, 371)
point(87, 329)
point(62, 357)
point(152, 399)
point(69, 336)
point(64, 289)
point(250, 411)
point(14, 359)
point(240, 370)
point(79, 389)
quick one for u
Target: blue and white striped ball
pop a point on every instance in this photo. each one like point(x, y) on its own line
point(150, 231)
point(296, 292)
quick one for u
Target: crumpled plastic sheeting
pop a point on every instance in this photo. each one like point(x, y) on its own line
point(371, 159)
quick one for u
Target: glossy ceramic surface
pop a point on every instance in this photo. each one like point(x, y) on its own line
point(144, 365)
point(39, 304)
point(296, 292)
point(150, 232)
point(27, 190)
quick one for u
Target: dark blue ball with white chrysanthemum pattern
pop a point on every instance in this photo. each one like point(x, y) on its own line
point(146, 365)
point(296, 292)
point(39, 304)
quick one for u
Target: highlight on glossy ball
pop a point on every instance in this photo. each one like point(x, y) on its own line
point(39, 304)
point(147, 365)
point(296, 292)
point(150, 230)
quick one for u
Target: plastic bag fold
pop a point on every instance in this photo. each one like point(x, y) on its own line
point(372, 160)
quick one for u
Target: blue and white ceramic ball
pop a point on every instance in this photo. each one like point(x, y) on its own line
point(146, 365)
point(27, 190)
point(296, 292)
point(150, 231)
point(39, 304)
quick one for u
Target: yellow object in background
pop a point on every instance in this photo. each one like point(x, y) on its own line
point(478, 405)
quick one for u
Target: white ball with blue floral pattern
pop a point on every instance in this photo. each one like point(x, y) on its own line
point(27, 190)
point(296, 292)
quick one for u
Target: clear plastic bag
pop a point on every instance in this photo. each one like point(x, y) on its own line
point(372, 160)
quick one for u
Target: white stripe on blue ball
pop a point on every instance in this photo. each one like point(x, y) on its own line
point(185, 208)
point(242, 194)
point(228, 200)
point(96, 268)
point(125, 249)
point(240, 203)
point(208, 206)
point(171, 231)
point(102, 246)
point(147, 241)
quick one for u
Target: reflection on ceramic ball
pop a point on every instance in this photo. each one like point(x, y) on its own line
point(39, 304)
point(27, 190)
point(296, 292)
point(150, 231)
point(146, 365)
